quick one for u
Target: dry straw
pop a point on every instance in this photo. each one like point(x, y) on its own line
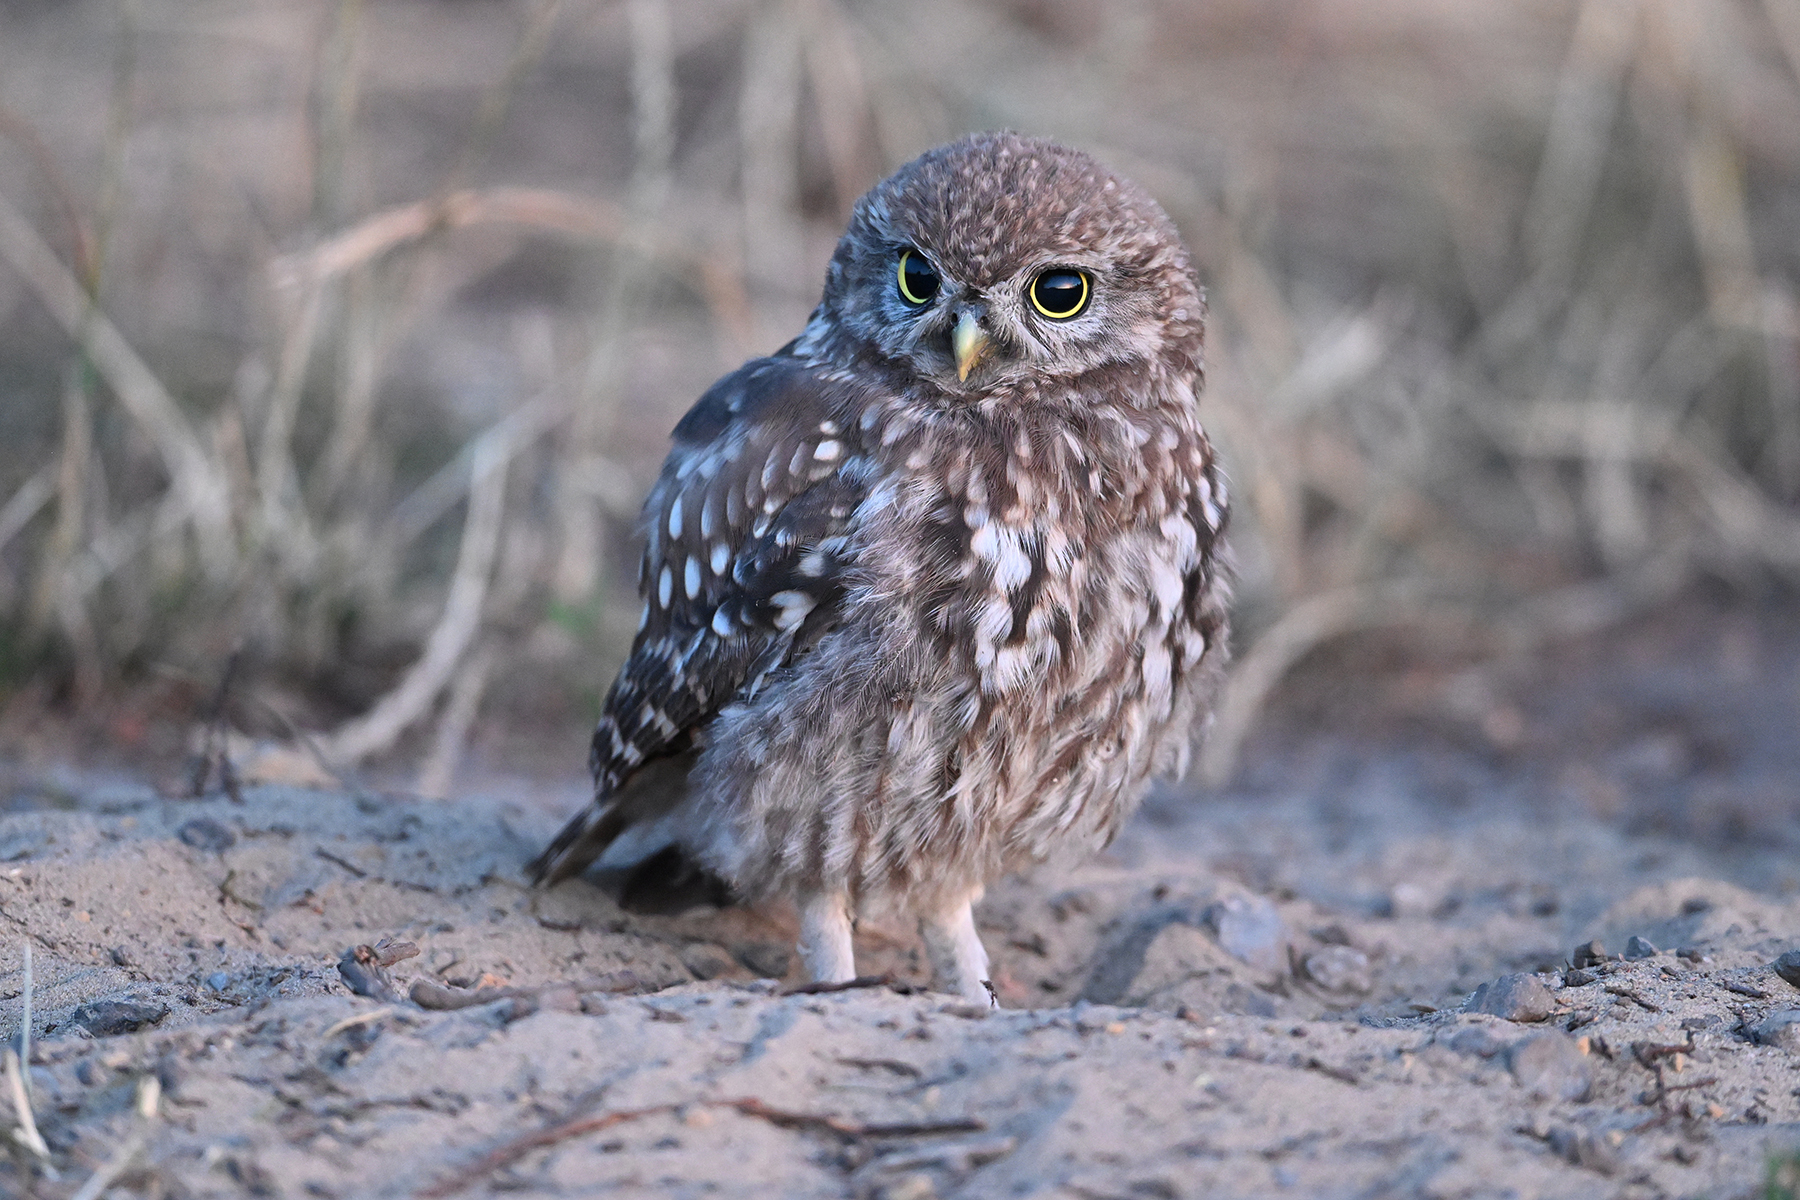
point(1505, 343)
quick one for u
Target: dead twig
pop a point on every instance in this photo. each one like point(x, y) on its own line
point(846, 1128)
point(201, 484)
point(225, 892)
point(149, 1098)
point(216, 744)
point(382, 725)
point(505, 1155)
point(328, 856)
point(32, 495)
point(1627, 993)
point(364, 969)
point(861, 981)
point(1300, 630)
point(25, 1131)
point(513, 1151)
point(359, 1019)
point(443, 998)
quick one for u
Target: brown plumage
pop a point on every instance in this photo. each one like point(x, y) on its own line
point(934, 591)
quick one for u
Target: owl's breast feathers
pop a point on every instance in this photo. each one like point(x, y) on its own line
point(1047, 561)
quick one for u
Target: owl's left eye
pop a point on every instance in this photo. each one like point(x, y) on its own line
point(918, 282)
point(1060, 293)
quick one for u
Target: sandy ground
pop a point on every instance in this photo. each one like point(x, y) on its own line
point(1264, 993)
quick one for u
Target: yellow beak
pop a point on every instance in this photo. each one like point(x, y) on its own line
point(970, 341)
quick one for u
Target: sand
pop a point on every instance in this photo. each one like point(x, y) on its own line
point(1256, 995)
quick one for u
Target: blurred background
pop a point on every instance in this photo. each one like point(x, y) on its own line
point(340, 340)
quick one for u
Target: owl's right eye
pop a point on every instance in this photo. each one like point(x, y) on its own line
point(918, 282)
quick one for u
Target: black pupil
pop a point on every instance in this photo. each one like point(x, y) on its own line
point(921, 281)
point(1059, 291)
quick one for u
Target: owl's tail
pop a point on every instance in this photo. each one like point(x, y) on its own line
point(637, 806)
point(583, 840)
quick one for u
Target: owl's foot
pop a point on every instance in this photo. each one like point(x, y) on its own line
point(959, 963)
point(825, 937)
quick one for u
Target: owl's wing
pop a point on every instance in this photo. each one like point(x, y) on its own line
point(742, 571)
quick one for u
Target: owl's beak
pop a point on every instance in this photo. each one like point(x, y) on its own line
point(970, 342)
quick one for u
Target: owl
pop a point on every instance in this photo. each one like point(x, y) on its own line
point(936, 590)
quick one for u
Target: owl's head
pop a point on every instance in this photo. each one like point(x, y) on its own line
point(1000, 258)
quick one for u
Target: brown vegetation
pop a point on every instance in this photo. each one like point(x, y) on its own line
point(345, 337)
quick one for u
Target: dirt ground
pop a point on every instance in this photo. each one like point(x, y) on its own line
point(1268, 991)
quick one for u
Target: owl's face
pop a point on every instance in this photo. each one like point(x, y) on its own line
point(1001, 259)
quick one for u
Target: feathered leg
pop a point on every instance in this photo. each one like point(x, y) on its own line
point(825, 937)
point(959, 963)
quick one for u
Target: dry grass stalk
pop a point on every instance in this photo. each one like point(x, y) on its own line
point(27, 502)
point(381, 726)
point(194, 476)
point(1604, 376)
point(464, 701)
point(15, 1067)
point(146, 1107)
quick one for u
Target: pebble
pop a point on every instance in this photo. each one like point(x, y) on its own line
point(106, 1018)
point(1596, 1152)
point(1477, 1040)
point(1780, 1028)
point(204, 834)
point(1249, 928)
point(1551, 1065)
point(1579, 978)
point(1340, 969)
point(704, 960)
point(1411, 900)
point(1588, 954)
point(765, 959)
point(1637, 947)
point(1788, 967)
point(916, 1186)
point(1519, 997)
point(218, 981)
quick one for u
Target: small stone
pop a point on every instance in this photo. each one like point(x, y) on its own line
point(1339, 969)
point(766, 960)
point(1788, 967)
point(204, 834)
point(915, 1186)
point(1478, 1041)
point(107, 1018)
point(1588, 954)
point(1248, 1001)
point(1517, 997)
point(121, 957)
point(1249, 928)
point(1551, 1065)
point(218, 981)
point(705, 961)
point(1410, 900)
point(1780, 1028)
point(1637, 947)
point(1579, 978)
point(1598, 1153)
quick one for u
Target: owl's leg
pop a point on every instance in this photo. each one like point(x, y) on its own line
point(825, 937)
point(959, 963)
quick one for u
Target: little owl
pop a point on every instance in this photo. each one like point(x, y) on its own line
point(936, 589)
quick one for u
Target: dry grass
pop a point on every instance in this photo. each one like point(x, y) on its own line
point(349, 333)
